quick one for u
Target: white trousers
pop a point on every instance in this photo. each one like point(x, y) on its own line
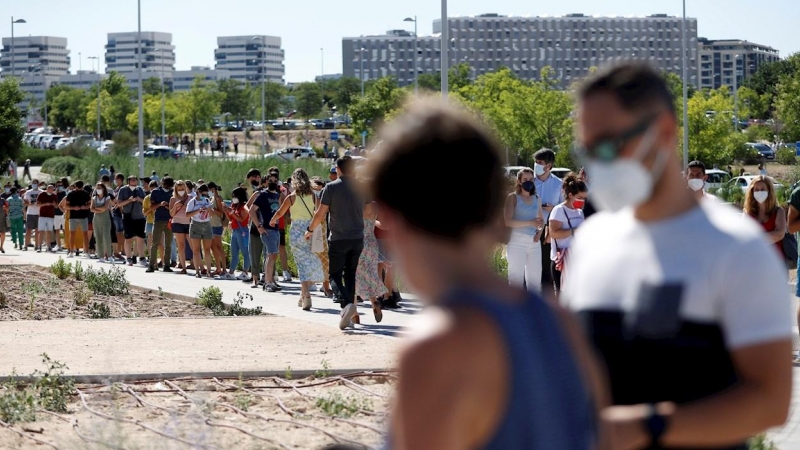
point(524, 262)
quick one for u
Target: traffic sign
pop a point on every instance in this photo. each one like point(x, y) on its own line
point(334, 135)
point(364, 133)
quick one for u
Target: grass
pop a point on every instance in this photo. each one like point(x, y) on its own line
point(336, 405)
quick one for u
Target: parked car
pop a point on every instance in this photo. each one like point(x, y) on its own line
point(51, 144)
point(744, 182)
point(512, 171)
point(561, 172)
point(63, 142)
point(38, 140)
point(104, 148)
point(716, 178)
point(764, 150)
point(292, 153)
point(160, 151)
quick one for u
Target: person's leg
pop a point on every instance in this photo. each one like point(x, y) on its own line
point(516, 256)
point(18, 231)
point(256, 250)
point(245, 244)
point(196, 261)
point(284, 256)
point(86, 238)
point(180, 240)
point(166, 248)
point(336, 262)
point(547, 275)
point(156, 238)
point(39, 232)
point(102, 236)
point(351, 267)
point(207, 250)
point(533, 267)
point(139, 247)
point(236, 245)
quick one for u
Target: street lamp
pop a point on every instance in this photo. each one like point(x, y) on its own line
point(99, 88)
point(12, 42)
point(163, 108)
point(263, 98)
point(735, 93)
point(361, 74)
point(416, 72)
point(141, 106)
point(444, 42)
point(685, 93)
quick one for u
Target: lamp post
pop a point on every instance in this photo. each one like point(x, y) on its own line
point(685, 93)
point(163, 100)
point(141, 106)
point(444, 58)
point(361, 73)
point(263, 98)
point(735, 93)
point(416, 72)
point(99, 88)
point(12, 42)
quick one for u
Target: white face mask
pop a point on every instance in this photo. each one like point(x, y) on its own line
point(235, 201)
point(99, 191)
point(696, 184)
point(538, 169)
point(761, 196)
point(626, 182)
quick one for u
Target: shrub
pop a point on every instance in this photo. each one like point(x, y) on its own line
point(499, 263)
point(61, 166)
point(112, 282)
point(78, 150)
point(211, 298)
point(61, 269)
point(50, 391)
point(336, 405)
point(237, 310)
point(82, 296)
point(786, 156)
point(731, 193)
point(78, 272)
point(124, 143)
point(37, 156)
point(99, 311)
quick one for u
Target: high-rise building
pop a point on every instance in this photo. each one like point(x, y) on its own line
point(717, 58)
point(158, 53)
point(39, 61)
point(182, 80)
point(251, 59)
point(570, 45)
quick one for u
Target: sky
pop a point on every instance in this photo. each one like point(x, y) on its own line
point(312, 30)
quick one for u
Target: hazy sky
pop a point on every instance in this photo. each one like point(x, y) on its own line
point(306, 26)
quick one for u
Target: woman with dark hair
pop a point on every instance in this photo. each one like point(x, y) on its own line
point(301, 203)
point(317, 185)
point(564, 220)
point(240, 237)
point(180, 222)
point(523, 214)
point(496, 367)
point(761, 204)
point(101, 208)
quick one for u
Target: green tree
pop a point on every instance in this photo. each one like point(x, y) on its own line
point(151, 113)
point(752, 105)
point(10, 119)
point(347, 91)
point(308, 99)
point(459, 76)
point(787, 106)
point(235, 96)
point(151, 86)
point(675, 84)
point(119, 108)
point(713, 139)
point(197, 107)
point(430, 81)
point(68, 108)
point(90, 113)
point(382, 99)
point(115, 83)
point(274, 100)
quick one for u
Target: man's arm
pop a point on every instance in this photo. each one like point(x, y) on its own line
point(793, 223)
point(319, 216)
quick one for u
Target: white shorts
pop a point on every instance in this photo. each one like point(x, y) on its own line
point(45, 224)
point(58, 223)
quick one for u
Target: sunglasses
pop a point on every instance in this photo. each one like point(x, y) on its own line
point(608, 149)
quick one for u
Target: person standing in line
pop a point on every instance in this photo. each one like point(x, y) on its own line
point(180, 222)
point(219, 221)
point(129, 200)
point(78, 203)
point(255, 247)
point(149, 210)
point(5, 223)
point(494, 367)
point(112, 172)
point(346, 241)
point(523, 214)
point(198, 210)
point(58, 219)
point(236, 144)
point(12, 169)
point(154, 177)
point(161, 237)
point(301, 205)
point(333, 175)
point(117, 218)
point(696, 345)
point(282, 224)
point(548, 187)
point(240, 236)
point(32, 217)
point(696, 178)
point(317, 185)
point(89, 219)
point(564, 220)
point(46, 201)
point(264, 206)
point(101, 204)
point(762, 170)
point(368, 279)
point(761, 204)
point(103, 171)
point(27, 171)
point(16, 216)
point(391, 298)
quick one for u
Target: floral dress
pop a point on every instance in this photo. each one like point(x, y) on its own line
point(368, 282)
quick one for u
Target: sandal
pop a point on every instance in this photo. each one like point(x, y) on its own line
point(183, 272)
point(376, 310)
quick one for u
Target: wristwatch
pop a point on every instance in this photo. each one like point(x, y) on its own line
point(656, 426)
point(309, 229)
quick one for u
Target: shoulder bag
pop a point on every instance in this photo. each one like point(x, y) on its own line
point(561, 253)
point(317, 239)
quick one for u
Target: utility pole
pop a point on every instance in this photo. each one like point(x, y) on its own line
point(685, 94)
point(445, 41)
point(141, 106)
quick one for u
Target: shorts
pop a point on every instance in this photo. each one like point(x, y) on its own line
point(180, 228)
point(58, 222)
point(283, 238)
point(119, 223)
point(270, 239)
point(148, 229)
point(383, 251)
point(134, 228)
point(45, 224)
point(217, 231)
point(32, 222)
point(200, 230)
point(74, 224)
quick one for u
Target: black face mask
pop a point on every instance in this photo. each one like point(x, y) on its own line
point(272, 186)
point(254, 183)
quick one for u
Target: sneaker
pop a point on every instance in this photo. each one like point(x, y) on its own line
point(346, 317)
point(142, 262)
point(287, 277)
point(271, 288)
point(130, 261)
point(247, 280)
point(102, 260)
point(150, 270)
point(70, 255)
point(38, 250)
point(93, 256)
point(168, 269)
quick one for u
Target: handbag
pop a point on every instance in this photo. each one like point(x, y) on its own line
point(789, 244)
point(561, 253)
point(317, 239)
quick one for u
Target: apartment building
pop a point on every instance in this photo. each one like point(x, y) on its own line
point(251, 59)
point(717, 59)
point(571, 45)
point(38, 61)
point(158, 53)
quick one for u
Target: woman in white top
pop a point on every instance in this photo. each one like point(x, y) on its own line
point(198, 209)
point(564, 220)
point(523, 214)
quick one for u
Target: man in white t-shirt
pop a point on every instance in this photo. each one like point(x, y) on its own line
point(688, 308)
point(32, 217)
point(696, 178)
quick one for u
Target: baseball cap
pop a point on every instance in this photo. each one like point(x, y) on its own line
point(333, 169)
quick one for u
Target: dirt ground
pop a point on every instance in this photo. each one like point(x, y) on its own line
point(268, 413)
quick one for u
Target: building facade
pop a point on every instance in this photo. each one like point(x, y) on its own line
point(570, 45)
point(39, 62)
point(158, 53)
point(182, 80)
point(84, 79)
point(717, 59)
point(251, 59)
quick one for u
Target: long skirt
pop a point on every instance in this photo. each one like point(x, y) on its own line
point(308, 264)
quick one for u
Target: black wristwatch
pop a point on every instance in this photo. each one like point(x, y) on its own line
point(656, 426)
point(309, 229)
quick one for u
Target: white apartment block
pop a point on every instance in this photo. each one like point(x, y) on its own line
point(84, 79)
point(158, 53)
point(182, 80)
point(717, 59)
point(571, 45)
point(39, 62)
point(251, 59)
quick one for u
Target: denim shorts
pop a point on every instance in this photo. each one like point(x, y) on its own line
point(271, 239)
point(148, 229)
point(119, 224)
point(217, 231)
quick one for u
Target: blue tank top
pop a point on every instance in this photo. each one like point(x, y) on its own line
point(524, 211)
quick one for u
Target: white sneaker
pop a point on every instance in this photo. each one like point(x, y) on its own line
point(242, 276)
point(346, 317)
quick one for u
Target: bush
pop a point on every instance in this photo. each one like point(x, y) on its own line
point(112, 282)
point(731, 193)
point(499, 263)
point(61, 166)
point(50, 391)
point(78, 150)
point(37, 156)
point(99, 311)
point(61, 269)
point(124, 143)
point(78, 272)
point(786, 156)
point(211, 298)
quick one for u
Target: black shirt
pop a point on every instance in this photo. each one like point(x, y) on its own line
point(78, 198)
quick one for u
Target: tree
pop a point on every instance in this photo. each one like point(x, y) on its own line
point(308, 99)
point(675, 84)
point(347, 91)
point(10, 119)
point(235, 97)
point(118, 109)
point(115, 84)
point(753, 105)
point(151, 114)
point(430, 81)
point(151, 86)
point(713, 139)
point(197, 107)
point(68, 108)
point(382, 99)
point(787, 106)
point(459, 76)
point(90, 112)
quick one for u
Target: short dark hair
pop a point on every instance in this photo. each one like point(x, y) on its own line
point(573, 185)
point(202, 188)
point(253, 173)
point(345, 164)
point(697, 164)
point(119, 176)
point(637, 87)
point(430, 140)
point(276, 170)
point(546, 155)
point(153, 184)
point(105, 179)
point(79, 184)
point(13, 190)
point(167, 182)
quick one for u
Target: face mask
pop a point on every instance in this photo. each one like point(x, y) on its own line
point(538, 169)
point(272, 186)
point(60, 189)
point(696, 184)
point(528, 186)
point(626, 182)
point(578, 204)
point(193, 190)
point(254, 183)
point(180, 193)
point(7, 190)
point(235, 201)
point(99, 191)
point(761, 196)
point(34, 186)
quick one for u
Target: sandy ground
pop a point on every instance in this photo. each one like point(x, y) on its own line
point(208, 414)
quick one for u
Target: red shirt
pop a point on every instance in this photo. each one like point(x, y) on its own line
point(235, 224)
point(769, 225)
point(47, 211)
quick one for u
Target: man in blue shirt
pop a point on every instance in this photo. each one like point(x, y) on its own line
point(548, 187)
point(160, 197)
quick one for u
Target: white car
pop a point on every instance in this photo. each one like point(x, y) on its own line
point(292, 153)
point(744, 182)
point(716, 178)
point(63, 142)
point(105, 147)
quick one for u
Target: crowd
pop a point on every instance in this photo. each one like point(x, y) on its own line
point(178, 226)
